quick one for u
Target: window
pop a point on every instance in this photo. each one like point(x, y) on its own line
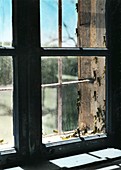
point(6, 104)
point(6, 76)
point(74, 85)
point(82, 99)
point(48, 63)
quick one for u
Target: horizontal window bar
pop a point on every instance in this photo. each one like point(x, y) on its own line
point(6, 51)
point(74, 52)
point(67, 83)
point(10, 51)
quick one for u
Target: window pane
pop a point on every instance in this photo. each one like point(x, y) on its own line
point(6, 102)
point(77, 99)
point(49, 23)
point(50, 67)
point(6, 23)
point(69, 23)
point(69, 69)
point(91, 23)
point(50, 116)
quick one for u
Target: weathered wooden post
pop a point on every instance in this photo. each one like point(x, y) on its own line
point(91, 33)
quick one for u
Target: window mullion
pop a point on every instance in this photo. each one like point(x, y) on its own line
point(4, 51)
point(20, 78)
point(26, 40)
point(74, 52)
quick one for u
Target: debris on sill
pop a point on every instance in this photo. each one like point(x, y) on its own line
point(1, 141)
point(69, 135)
point(5, 144)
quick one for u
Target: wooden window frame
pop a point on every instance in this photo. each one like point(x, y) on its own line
point(66, 148)
point(26, 52)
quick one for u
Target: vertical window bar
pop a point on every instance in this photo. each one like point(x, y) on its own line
point(60, 67)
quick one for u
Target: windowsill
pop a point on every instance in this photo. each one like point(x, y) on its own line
point(58, 141)
point(105, 159)
point(66, 136)
point(8, 150)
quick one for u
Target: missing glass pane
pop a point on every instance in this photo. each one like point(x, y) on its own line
point(91, 23)
point(6, 23)
point(92, 96)
point(74, 106)
point(6, 102)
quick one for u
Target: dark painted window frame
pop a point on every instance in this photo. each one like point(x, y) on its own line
point(26, 52)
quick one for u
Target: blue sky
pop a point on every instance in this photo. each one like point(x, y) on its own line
point(49, 21)
point(5, 20)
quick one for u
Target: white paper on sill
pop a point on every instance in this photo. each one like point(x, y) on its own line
point(77, 160)
point(110, 167)
point(107, 153)
point(83, 159)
